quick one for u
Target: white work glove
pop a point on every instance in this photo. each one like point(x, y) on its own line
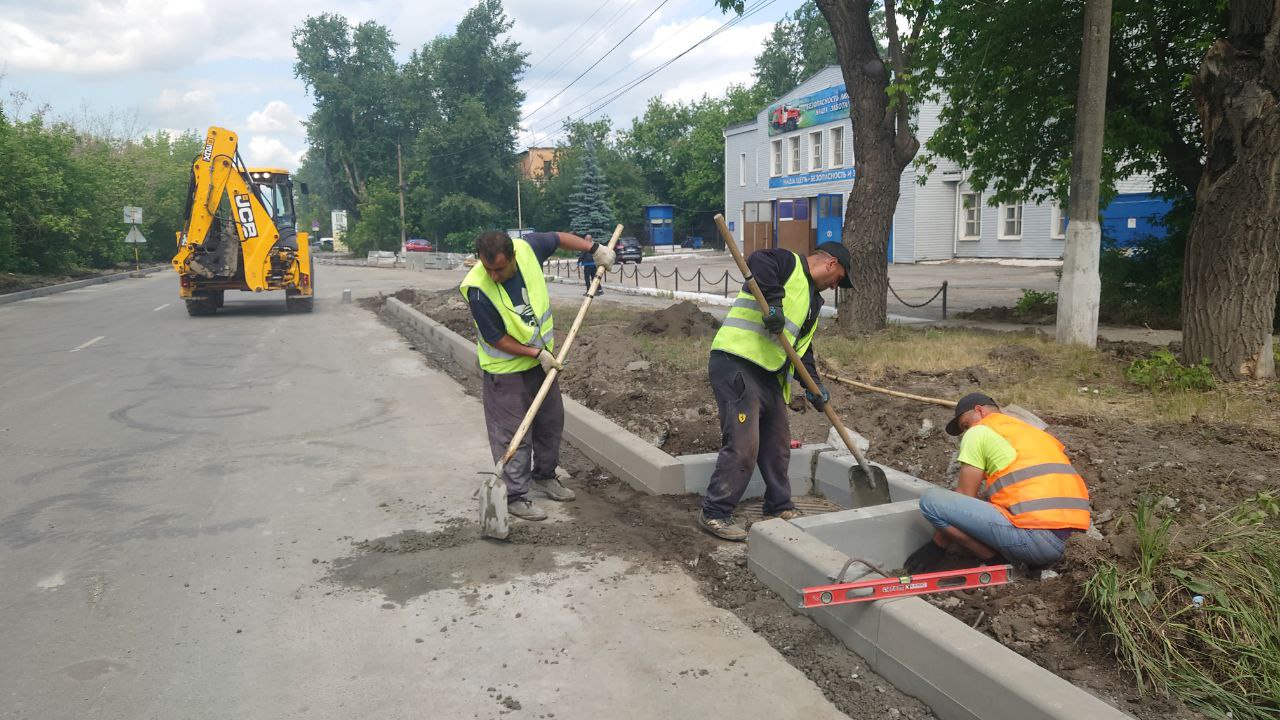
point(548, 361)
point(604, 257)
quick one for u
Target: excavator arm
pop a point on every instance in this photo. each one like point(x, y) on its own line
point(207, 244)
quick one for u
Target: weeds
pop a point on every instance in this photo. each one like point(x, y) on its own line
point(1161, 371)
point(1035, 302)
point(1220, 655)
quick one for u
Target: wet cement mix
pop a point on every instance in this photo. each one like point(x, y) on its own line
point(1197, 469)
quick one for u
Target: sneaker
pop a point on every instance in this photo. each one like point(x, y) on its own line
point(552, 488)
point(723, 529)
point(787, 515)
point(524, 509)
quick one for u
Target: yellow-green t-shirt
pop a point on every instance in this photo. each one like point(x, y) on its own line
point(984, 448)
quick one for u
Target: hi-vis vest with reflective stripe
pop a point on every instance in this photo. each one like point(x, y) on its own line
point(1039, 489)
point(743, 332)
point(493, 360)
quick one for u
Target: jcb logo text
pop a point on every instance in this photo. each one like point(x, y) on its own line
point(244, 212)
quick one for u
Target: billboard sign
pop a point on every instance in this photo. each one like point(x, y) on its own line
point(826, 105)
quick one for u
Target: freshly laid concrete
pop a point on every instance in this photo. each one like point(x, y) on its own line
point(959, 672)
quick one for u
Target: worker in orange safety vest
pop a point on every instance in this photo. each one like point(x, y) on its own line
point(1018, 499)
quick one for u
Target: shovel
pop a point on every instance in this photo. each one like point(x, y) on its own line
point(1017, 411)
point(867, 482)
point(494, 521)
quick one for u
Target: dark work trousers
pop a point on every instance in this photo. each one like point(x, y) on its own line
point(588, 274)
point(754, 430)
point(507, 398)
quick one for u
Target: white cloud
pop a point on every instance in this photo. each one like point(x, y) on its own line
point(270, 152)
point(277, 117)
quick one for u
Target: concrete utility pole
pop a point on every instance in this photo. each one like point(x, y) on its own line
point(400, 172)
point(1080, 286)
point(519, 210)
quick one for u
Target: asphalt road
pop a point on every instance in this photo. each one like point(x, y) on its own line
point(175, 492)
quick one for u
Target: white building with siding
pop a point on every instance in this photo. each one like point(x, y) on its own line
point(789, 172)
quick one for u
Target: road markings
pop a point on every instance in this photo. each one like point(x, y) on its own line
point(161, 307)
point(85, 345)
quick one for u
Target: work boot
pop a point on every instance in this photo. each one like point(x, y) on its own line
point(553, 489)
point(723, 529)
point(787, 515)
point(524, 509)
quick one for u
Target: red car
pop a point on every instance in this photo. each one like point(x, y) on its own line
point(419, 245)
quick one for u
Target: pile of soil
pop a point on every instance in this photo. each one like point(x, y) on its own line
point(1198, 470)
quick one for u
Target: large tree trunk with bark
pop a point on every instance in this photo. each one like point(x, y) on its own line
point(883, 144)
point(1232, 268)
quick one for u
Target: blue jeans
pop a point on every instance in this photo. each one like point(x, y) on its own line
point(981, 521)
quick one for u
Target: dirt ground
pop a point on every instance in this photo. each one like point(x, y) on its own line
point(1198, 469)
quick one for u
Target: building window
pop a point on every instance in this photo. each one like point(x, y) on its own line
point(815, 151)
point(742, 169)
point(1058, 222)
point(786, 210)
point(546, 168)
point(1010, 221)
point(971, 216)
point(777, 157)
point(795, 154)
point(757, 212)
point(837, 147)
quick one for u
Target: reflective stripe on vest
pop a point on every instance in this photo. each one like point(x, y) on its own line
point(493, 360)
point(1040, 488)
point(743, 332)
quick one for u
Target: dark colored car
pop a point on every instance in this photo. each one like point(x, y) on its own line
point(628, 250)
point(418, 245)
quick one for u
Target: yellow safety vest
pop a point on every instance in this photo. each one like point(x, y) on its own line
point(743, 332)
point(542, 335)
point(1039, 489)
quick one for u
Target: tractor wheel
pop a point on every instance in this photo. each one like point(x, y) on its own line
point(215, 296)
point(198, 307)
point(295, 303)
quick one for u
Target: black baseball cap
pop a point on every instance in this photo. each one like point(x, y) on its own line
point(841, 254)
point(967, 403)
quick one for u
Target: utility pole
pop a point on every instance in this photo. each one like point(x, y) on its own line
point(400, 172)
point(1079, 289)
point(519, 210)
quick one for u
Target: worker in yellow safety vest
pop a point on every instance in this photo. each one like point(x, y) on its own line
point(515, 339)
point(751, 379)
point(1018, 498)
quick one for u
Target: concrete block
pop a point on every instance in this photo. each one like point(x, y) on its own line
point(882, 534)
point(959, 672)
point(831, 480)
point(698, 468)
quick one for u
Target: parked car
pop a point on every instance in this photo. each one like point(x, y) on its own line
point(326, 244)
point(419, 245)
point(628, 250)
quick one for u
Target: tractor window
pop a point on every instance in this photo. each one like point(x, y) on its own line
point(277, 198)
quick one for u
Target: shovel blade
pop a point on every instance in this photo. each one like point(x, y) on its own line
point(494, 521)
point(1025, 416)
point(868, 490)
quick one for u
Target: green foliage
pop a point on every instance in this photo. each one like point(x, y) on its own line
point(63, 191)
point(379, 225)
point(589, 212)
point(1162, 371)
point(1222, 656)
point(1035, 302)
point(1009, 112)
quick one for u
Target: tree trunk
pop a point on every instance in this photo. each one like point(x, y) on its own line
point(1232, 268)
point(883, 144)
point(1080, 286)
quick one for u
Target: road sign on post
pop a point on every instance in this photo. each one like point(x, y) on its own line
point(133, 218)
point(132, 215)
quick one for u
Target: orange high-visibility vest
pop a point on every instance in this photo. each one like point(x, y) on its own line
point(1039, 489)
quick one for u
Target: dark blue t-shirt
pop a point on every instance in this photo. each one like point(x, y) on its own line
point(486, 315)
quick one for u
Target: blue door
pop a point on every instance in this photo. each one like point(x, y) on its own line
point(830, 219)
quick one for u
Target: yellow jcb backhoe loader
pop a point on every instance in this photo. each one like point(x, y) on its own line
point(239, 232)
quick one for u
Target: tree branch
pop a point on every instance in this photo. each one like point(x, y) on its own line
point(909, 53)
point(902, 107)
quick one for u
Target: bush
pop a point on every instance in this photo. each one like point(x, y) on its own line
point(1034, 302)
point(1161, 371)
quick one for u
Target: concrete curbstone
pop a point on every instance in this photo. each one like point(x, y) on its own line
point(959, 672)
point(75, 284)
point(698, 469)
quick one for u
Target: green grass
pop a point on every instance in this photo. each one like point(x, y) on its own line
point(1222, 657)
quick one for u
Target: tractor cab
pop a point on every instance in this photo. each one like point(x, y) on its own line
point(275, 190)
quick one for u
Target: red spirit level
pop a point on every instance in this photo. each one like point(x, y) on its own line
point(891, 587)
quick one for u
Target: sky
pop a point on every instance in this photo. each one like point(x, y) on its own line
point(188, 64)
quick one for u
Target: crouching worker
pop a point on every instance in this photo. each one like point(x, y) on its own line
point(1018, 498)
point(507, 294)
